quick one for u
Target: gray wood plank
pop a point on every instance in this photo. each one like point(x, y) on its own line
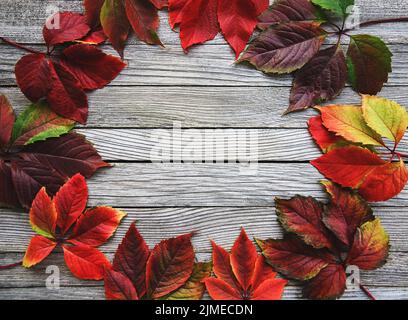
point(150, 66)
point(23, 20)
point(198, 107)
point(217, 223)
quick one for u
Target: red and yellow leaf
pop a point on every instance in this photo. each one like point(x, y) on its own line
point(43, 216)
point(85, 262)
point(325, 139)
point(70, 202)
point(131, 259)
point(118, 286)
point(38, 249)
point(96, 226)
point(169, 266)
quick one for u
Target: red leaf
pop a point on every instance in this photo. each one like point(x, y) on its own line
point(33, 75)
point(175, 8)
point(260, 6)
point(169, 266)
point(93, 11)
point(243, 259)
point(8, 196)
point(220, 290)
point(160, 4)
point(131, 258)
point(68, 26)
point(348, 166)
point(66, 97)
point(38, 249)
point(7, 119)
point(222, 265)
point(286, 11)
point(238, 19)
point(85, 262)
point(118, 286)
point(43, 216)
point(94, 37)
point(321, 79)
point(143, 18)
point(271, 289)
point(262, 272)
point(91, 66)
point(70, 201)
point(325, 139)
point(198, 22)
point(96, 226)
point(303, 216)
point(293, 258)
point(330, 283)
point(115, 23)
point(385, 182)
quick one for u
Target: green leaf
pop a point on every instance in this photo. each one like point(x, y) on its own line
point(339, 7)
point(386, 117)
point(368, 62)
point(38, 123)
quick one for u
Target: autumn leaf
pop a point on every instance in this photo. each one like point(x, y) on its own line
point(284, 11)
point(7, 119)
point(167, 272)
point(369, 62)
point(357, 155)
point(286, 48)
point(321, 79)
point(356, 238)
point(52, 218)
point(202, 20)
point(243, 274)
point(339, 7)
point(40, 152)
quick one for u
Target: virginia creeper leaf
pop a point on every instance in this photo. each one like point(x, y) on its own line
point(321, 79)
point(175, 8)
point(71, 26)
point(85, 262)
point(283, 11)
point(286, 48)
point(91, 66)
point(325, 139)
point(369, 62)
point(160, 4)
point(386, 117)
point(37, 123)
point(170, 265)
point(370, 247)
point(303, 216)
point(93, 11)
point(8, 196)
point(348, 122)
point(33, 75)
point(43, 216)
point(70, 202)
point(115, 23)
point(96, 226)
point(7, 119)
point(339, 7)
point(143, 18)
point(131, 258)
point(118, 286)
point(243, 275)
point(38, 249)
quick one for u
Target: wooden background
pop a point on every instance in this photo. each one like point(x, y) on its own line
point(202, 90)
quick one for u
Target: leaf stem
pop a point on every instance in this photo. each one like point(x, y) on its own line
point(367, 292)
point(10, 266)
point(379, 21)
point(19, 46)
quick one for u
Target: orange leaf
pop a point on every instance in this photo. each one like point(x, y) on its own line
point(38, 249)
point(220, 290)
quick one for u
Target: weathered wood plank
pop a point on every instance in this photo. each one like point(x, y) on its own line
point(393, 274)
point(150, 66)
point(23, 20)
point(198, 107)
point(97, 293)
point(217, 223)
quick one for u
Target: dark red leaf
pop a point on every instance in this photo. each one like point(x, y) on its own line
point(93, 11)
point(66, 27)
point(94, 37)
point(321, 79)
point(66, 97)
point(91, 66)
point(8, 196)
point(33, 75)
point(118, 286)
point(7, 119)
